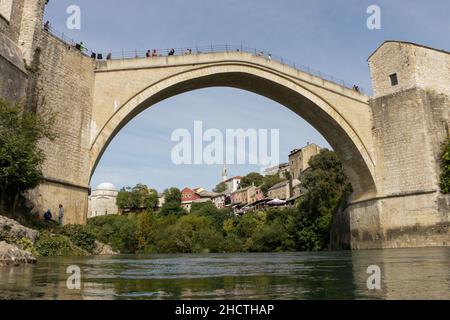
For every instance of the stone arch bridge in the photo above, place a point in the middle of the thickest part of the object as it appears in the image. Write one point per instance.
(124, 88)
(388, 143)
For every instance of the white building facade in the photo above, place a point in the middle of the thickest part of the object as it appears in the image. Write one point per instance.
(102, 200)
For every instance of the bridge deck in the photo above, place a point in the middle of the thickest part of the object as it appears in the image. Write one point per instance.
(197, 59)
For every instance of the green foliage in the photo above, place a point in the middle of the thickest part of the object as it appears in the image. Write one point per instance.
(80, 236)
(20, 156)
(252, 178)
(445, 167)
(221, 187)
(138, 197)
(326, 187)
(190, 234)
(50, 245)
(26, 244)
(118, 231)
(172, 195)
(172, 204)
(210, 211)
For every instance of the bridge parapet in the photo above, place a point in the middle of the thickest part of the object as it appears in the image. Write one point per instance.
(138, 61)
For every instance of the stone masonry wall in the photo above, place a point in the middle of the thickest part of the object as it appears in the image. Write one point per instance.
(405, 155)
(416, 66)
(65, 82)
(13, 76)
(31, 28)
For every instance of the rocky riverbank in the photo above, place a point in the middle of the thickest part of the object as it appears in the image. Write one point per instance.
(15, 242)
(21, 245)
(12, 255)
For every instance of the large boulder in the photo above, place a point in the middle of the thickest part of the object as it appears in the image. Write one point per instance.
(11, 255)
(102, 249)
(12, 231)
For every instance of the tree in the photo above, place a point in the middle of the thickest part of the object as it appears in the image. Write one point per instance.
(138, 197)
(144, 229)
(172, 195)
(221, 187)
(123, 200)
(326, 187)
(209, 210)
(20, 156)
(144, 197)
(252, 178)
(172, 202)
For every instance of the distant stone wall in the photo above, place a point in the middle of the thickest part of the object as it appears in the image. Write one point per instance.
(64, 86)
(13, 79)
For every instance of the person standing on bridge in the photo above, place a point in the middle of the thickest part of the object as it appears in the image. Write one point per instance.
(83, 48)
(61, 215)
(148, 54)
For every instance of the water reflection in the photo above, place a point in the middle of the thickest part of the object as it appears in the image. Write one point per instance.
(406, 274)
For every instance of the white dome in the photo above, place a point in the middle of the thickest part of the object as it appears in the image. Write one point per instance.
(106, 186)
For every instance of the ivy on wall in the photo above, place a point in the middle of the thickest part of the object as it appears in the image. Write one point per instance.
(445, 167)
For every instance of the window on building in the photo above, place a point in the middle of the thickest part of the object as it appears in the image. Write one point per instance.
(6, 8)
(394, 79)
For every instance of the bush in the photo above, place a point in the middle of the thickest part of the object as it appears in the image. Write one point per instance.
(50, 245)
(120, 232)
(80, 236)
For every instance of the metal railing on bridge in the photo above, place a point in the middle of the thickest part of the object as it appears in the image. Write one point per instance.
(133, 54)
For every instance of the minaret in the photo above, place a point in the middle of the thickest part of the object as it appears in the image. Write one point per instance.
(224, 173)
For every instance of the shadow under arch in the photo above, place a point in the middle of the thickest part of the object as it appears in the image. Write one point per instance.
(343, 138)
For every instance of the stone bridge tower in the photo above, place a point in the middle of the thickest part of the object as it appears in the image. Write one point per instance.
(410, 108)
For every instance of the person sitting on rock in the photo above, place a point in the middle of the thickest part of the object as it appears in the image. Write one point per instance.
(48, 216)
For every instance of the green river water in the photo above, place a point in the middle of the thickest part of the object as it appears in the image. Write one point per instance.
(405, 274)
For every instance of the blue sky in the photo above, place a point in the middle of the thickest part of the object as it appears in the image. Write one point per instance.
(330, 36)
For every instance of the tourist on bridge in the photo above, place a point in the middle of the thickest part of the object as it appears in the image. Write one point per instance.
(61, 215)
(148, 54)
(172, 52)
(154, 53)
(82, 47)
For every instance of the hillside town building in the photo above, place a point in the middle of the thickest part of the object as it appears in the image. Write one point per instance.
(232, 184)
(299, 159)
